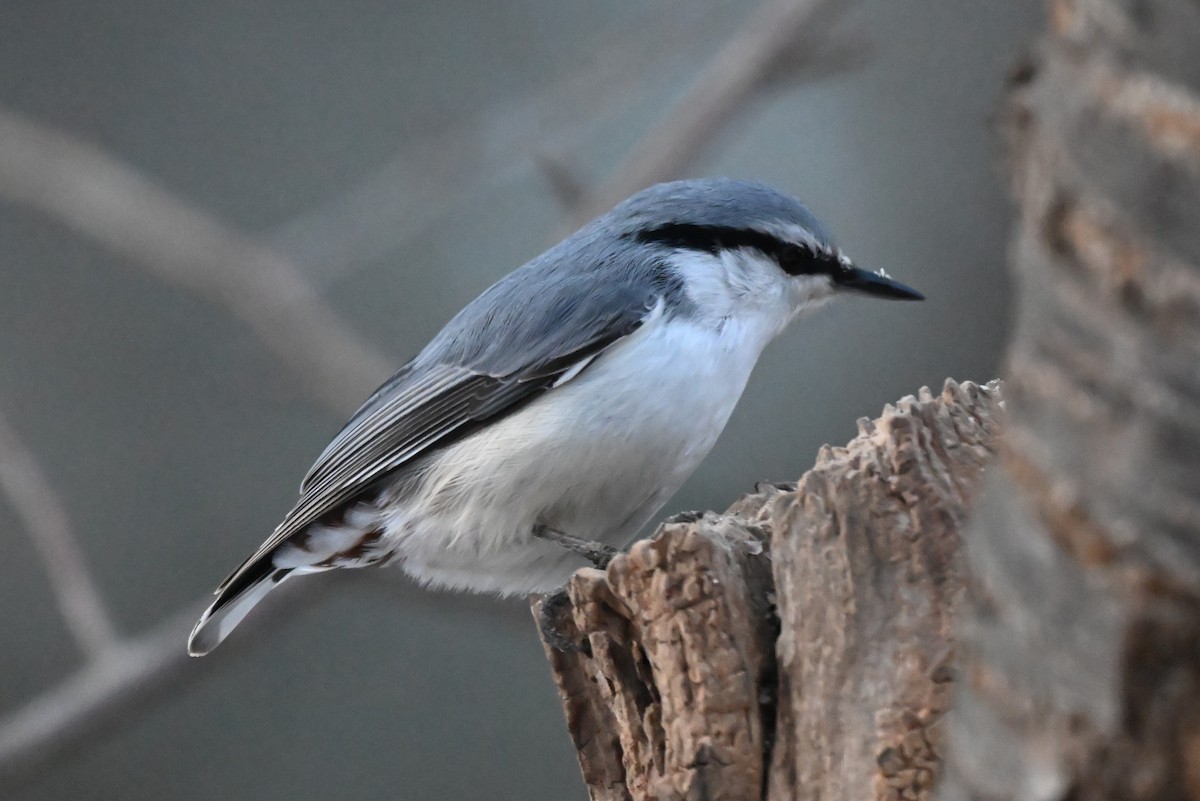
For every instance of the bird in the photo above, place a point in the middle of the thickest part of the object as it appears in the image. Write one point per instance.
(554, 415)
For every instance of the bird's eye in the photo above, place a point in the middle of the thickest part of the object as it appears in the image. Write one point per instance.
(799, 260)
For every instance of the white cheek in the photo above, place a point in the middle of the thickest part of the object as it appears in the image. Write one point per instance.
(739, 283)
(810, 292)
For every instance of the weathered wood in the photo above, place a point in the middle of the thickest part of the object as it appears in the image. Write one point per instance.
(667, 704)
(1081, 643)
(867, 571)
(689, 691)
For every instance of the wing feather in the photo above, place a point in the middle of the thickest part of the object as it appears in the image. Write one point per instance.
(430, 404)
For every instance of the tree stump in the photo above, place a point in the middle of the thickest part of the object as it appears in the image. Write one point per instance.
(796, 646)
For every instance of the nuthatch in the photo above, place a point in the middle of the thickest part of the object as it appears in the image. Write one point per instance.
(555, 414)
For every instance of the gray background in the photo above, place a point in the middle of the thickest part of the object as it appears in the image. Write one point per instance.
(391, 149)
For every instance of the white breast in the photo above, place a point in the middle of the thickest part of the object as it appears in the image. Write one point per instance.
(595, 458)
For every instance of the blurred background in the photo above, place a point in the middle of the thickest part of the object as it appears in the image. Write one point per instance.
(222, 224)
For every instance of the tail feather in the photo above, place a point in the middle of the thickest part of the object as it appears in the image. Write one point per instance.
(352, 540)
(233, 602)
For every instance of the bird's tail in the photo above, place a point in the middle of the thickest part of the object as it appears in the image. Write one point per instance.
(353, 539)
(234, 599)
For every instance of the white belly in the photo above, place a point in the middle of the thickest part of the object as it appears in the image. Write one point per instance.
(594, 458)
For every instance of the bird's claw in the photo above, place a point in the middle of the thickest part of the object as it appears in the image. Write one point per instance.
(597, 553)
(784, 486)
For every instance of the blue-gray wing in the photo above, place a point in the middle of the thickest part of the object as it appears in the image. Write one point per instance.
(499, 353)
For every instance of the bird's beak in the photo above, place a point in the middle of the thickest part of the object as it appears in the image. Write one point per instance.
(874, 284)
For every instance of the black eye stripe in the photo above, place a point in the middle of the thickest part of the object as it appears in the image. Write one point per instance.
(710, 238)
(794, 259)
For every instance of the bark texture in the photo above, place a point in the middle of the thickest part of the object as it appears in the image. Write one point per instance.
(796, 646)
(1082, 633)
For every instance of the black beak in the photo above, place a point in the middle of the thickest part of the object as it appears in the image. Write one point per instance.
(874, 284)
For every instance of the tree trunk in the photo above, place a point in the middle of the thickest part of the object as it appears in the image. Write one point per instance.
(797, 646)
(1081, 644)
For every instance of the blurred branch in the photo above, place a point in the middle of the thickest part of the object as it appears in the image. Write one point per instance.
(45, 519)
(769, 42)
(133, 671)
(96, 195)
(784, 41)
(495, 146)
(126, 674)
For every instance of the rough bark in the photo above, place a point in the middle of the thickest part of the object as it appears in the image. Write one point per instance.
(1081, 643)
(689, 690)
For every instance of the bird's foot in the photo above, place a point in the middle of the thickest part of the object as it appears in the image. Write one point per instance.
(597, 553)
(555, 605)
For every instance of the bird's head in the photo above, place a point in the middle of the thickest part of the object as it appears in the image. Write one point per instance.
(744, 250)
